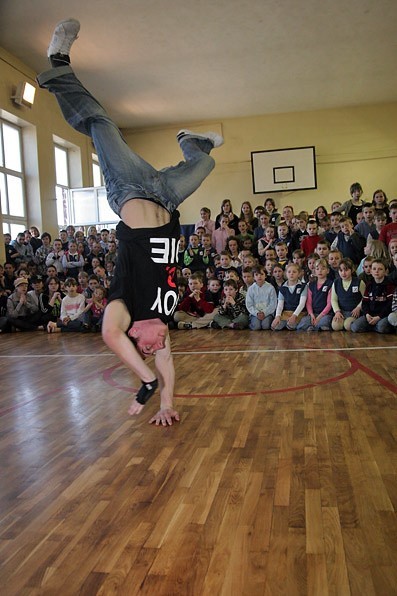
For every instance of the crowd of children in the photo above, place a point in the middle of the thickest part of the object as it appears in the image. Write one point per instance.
(56, 286)
(259, 270)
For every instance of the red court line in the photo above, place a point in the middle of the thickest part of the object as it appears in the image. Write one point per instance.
(354, 365)
(388, 384)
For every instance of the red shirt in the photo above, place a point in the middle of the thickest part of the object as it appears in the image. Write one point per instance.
(388, 232)
(309, 244)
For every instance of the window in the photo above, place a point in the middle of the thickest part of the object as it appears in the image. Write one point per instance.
(12, 182)
(97, 175)
(62, 184)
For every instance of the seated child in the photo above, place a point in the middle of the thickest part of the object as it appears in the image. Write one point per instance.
(375, 249)
(248, 280)
(365, 275)
(322, 248)
(277, 278)
(194, 312)
(213, 292)
(72, 310)
(232, 312)
(377, 302)
(261, 301)
(22, 309)
(282, 253)
(349, 242)
(334, 258)
(95, 309)
(318, 303)
(299, 258)
(346, 296)
(291, 300)
(225, 265)
(52, 300)
(181, 282)
(393, 267)
(82, 280)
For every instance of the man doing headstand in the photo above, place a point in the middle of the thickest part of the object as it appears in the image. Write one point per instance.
(143, 295)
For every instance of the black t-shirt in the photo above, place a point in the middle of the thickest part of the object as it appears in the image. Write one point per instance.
(145, 275)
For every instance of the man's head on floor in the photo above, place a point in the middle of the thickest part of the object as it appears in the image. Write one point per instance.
(148, 335)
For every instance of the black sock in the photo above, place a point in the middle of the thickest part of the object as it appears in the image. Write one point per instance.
(59, 60)
(146, 391)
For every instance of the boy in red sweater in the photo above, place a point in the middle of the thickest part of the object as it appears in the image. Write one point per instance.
(194, 312)
(309, 242)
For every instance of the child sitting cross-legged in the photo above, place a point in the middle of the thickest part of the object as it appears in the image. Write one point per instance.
(232, 312)
(291, 300)
(72, 310)
(194, 312)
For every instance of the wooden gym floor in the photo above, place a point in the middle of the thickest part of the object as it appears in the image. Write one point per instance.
(279, 479)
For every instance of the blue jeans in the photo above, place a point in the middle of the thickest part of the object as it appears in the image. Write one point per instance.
(324, 323)
(256, 324)
(361, 325)
(127, 175)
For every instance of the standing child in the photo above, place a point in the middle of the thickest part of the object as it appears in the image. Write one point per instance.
(232, 312)
(349, 242)
(310, 241)
(377, 302)
(380, 220)
(261, 301)
(318, 302)
(346, 296)
(291, 300)
(72, 261)
(221, 234)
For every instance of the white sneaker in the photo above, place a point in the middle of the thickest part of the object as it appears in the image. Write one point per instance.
(213, 137)
(65, 33)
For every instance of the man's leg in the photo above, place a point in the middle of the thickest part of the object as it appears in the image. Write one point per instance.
(124, 171)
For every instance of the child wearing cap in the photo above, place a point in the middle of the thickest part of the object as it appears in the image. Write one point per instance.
(21, 308)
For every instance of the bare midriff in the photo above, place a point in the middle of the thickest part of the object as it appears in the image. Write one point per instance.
(141, 213)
